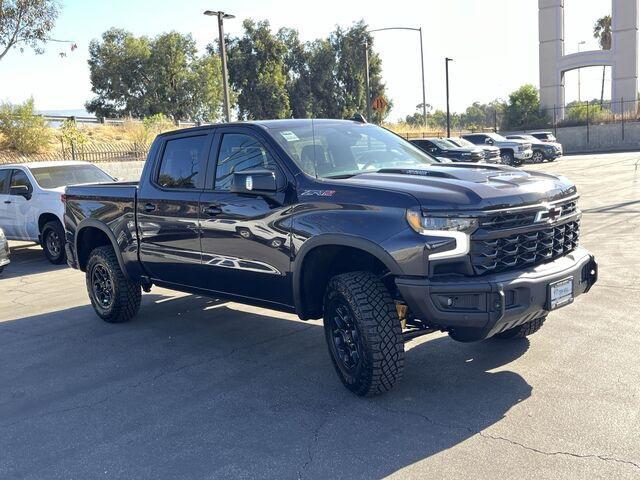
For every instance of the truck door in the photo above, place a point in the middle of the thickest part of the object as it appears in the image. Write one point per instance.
(245, 238)
(5, 201)
(167, 209)
(20, 209)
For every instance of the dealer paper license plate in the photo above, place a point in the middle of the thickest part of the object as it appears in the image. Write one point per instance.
(560, 293)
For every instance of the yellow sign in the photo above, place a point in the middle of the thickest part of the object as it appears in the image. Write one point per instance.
(379, 104)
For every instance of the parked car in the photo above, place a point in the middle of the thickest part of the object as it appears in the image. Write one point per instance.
(545, 136)
(385, 243)
(440, 147)
(31, 207)
(491, 153)
(512, 152)
(541, 150)
(4, 251)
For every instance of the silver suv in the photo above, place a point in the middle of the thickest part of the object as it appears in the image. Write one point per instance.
(512, 152)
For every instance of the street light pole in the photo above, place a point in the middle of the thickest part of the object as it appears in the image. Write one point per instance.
(579, 43)
(446, 68)
(424, 94)
(223, 57)
(419, 30)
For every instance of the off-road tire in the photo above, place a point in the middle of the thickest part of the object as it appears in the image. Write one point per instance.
(126, 294)
(54, 230)
(524, 330)
(508, 159)
(379, 332)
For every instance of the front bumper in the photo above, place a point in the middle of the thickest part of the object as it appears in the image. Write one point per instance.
(525, 155)
(475, 308)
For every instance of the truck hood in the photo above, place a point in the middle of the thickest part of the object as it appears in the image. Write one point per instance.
(469, 186)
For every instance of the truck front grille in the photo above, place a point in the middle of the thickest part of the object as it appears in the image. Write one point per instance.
(506, 220)
(524, 249)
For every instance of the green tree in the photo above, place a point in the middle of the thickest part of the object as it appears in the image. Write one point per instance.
(139, 77)
(26, 23)
(119, 74)
(602, 33)
(23, 130)
(349, 45)
(523, 109)
(258, 72)
(297, 62)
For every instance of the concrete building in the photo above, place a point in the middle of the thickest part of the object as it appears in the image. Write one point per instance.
(622, 58)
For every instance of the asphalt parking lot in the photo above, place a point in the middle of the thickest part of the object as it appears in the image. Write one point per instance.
(196, 388)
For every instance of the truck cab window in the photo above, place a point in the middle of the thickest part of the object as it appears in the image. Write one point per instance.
(4, 180)
(182, 162)
(20, 179)
(239, 152)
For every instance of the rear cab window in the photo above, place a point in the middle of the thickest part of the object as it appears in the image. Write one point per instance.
(182, 163)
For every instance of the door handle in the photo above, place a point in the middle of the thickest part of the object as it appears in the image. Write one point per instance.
(7, 202)
(150, 207)
(212, 210)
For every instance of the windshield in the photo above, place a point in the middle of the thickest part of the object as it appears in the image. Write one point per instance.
(62, 175)
(342, 149)
(462, 142)
(496, 137)
(442, 143)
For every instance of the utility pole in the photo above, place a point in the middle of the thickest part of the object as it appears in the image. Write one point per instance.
(446, 69)
(366, 70)
(223, 57)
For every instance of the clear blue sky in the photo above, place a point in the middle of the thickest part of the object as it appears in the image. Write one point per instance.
(494, 43)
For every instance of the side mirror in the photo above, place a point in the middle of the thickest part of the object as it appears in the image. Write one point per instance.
(488, 141)
(254, 182)
(21, 190)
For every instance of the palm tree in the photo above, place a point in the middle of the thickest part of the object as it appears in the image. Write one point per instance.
(602, 33)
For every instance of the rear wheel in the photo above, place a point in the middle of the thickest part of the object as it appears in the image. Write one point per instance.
(114, 298)
(524, 330)
(53, 242)
(538, 157)
(363, 333)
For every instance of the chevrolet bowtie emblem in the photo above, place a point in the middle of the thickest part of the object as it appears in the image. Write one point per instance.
(550, 215)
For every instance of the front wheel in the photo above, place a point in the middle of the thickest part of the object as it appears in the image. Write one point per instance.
(53, 242)
(114, 298)
(524, 330)
(508, 158)
(363, 333)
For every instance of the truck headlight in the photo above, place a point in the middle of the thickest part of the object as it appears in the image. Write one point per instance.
(458, 228)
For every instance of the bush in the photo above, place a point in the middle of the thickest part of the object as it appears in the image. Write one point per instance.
(142, 134)
(22, 129)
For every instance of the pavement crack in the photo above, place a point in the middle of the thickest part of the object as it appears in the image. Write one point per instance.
(605, 458)
(314, 443)
(488, 436)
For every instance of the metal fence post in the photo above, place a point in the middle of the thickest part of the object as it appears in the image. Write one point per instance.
(555, 122)
(622, 113)
(495, 121)
(73, 150)
(587, 121)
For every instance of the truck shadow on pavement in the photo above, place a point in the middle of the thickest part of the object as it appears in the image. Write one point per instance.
(195, 388)
(27, 259)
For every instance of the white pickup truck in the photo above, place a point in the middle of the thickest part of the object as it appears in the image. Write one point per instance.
(31, 207)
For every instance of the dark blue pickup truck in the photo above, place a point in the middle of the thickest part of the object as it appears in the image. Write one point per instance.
(339, 220)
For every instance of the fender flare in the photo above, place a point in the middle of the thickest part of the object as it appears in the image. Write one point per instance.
(93, 223)
(342, 240)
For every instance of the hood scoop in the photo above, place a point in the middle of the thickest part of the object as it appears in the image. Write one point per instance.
(417, 172)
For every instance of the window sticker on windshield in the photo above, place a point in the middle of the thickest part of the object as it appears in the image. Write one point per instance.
(289, 136)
